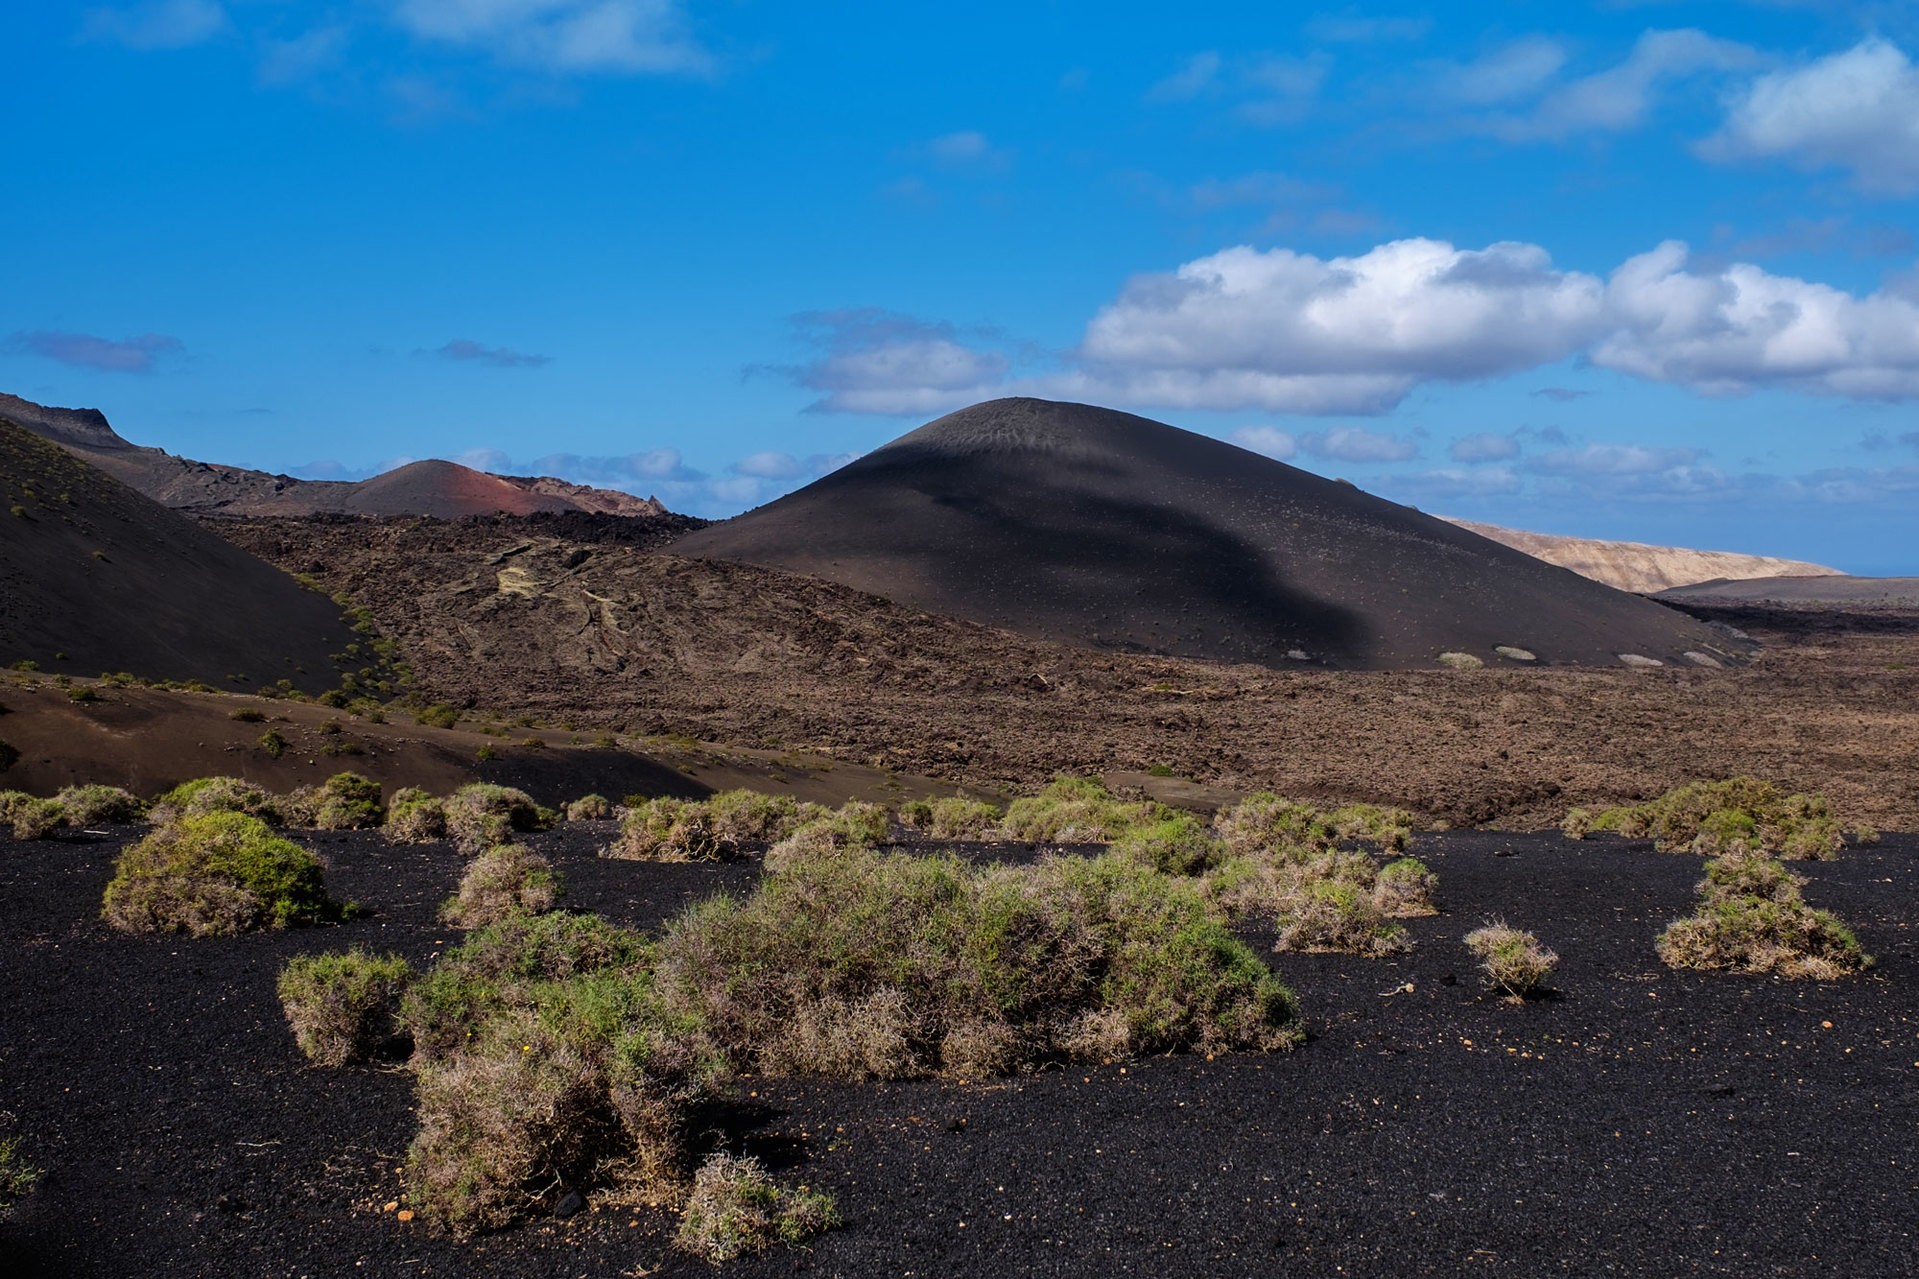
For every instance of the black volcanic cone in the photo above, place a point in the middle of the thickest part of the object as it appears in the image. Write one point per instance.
(95, 577)
(1083, 524)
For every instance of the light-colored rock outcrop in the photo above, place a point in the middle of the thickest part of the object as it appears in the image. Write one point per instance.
(1636, 566)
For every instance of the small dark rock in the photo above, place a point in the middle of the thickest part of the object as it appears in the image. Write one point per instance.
(570, 1205)
(230, 1203)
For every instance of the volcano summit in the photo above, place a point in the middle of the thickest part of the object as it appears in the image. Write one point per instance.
(1094, 527)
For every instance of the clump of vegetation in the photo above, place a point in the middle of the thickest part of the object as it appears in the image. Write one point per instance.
(17, 1176)
(736, 1209)
(86, 805)
(273, 743)
(750, 817)
(670, 830)
(1752, 919)
(854, 827)
(438, 715)
(1076, 810)
(1709, 818)
(345, 801)
(214, 874)
(342, 1006)
(502, 881)
(248, 715)
(589, 808)
(30, 816)
(1405, 888)
(480, 815)
(1512, 959)
(1337, 914)
(951, 817)
(414, 817)
(558, 1050)
(1173, 845)
(216, 795)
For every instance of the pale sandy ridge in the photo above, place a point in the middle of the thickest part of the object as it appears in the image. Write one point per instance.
(1640, 567)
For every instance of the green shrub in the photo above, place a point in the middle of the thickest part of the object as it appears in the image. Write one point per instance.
(951, 817)
(214, 874)
(248, 715)
(1386, 829)
(1269, 825)
(1405, 888)
(1076, 810)
(216, 795)
(1752, 919)
(589, 808)
(670, 830)
(342, 1006)
(1512, 959)
(480, 815)
(1337, 915)
(854, 827)
(439, 715)
(736, 1209)
(345, 801)
(17, 1176)
(273, 743)
(865, 964)
(1174, 845)
(749, 817)
(35, 818)
(1710, 818)
(87, 805)
(414, 817)
(500, 882)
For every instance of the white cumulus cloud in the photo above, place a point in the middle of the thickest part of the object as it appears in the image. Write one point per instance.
(1856, 110)
(1271, 441)
(1357, 444)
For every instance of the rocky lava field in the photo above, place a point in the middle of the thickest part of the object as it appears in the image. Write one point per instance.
(1640, 1121)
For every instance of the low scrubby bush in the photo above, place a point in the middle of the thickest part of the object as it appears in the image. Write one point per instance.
(854, 827)
(558, 1050)
(342, 1006)
(1752, 919)
(1709, 818)
(1405, 888)
(480, 815)
(86, 805)
(216, 795)
(1075, 810)
(17, 1176)
(670, 830)
(500, 882)
(951, 817)
(589, 808)
(215, 873)
(1173, 845)
(1337, 915)
(345, 801)
(749, 817)
(736, 1209)
(1512, 959)
(414, 817)
(32, 817)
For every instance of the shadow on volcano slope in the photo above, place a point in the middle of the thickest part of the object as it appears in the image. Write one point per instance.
(1082, 524)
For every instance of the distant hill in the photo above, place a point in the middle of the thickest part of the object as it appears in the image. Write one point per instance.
(1636, 566)
(443, 489)
(96, 578)
(1841, 590)
(1082, 524)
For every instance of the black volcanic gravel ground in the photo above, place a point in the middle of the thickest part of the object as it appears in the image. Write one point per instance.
(1643, 1122)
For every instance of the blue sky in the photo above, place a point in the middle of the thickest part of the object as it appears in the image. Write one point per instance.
(1628, 269)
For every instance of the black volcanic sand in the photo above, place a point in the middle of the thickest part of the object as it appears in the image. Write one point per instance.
(1081, 524)
(1642, 1122)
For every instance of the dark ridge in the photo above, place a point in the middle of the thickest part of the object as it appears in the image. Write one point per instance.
(96, 578)
(1095, 527)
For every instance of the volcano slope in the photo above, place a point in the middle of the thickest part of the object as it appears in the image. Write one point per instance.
(96, 577)
(1094, 527)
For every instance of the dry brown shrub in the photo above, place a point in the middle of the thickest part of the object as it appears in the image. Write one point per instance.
(503, 881)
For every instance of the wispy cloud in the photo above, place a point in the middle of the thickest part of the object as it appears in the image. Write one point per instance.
(467, 351)
(1266, 89)
(1359, 444)
(1270, 440)
(157, 24)
(141, 354)
(1486, 446)
(608, 36)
